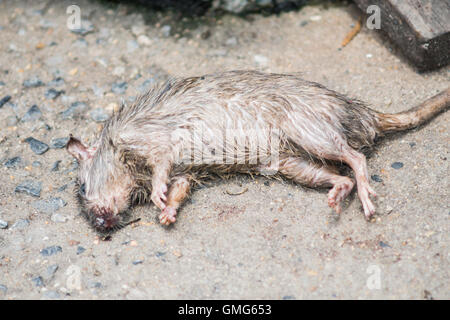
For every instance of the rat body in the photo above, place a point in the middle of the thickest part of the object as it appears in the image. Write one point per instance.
(239, 121)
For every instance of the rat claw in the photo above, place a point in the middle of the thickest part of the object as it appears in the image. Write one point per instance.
(167, 216)
(158, 197)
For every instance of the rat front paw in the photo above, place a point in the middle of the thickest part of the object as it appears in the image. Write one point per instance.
(158, 196)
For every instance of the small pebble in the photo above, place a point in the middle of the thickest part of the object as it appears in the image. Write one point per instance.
(46, 24)
(30, 187)
(32, 114)
(20, 224)
(165, 30)
(376, 178)
(33, 83)
(260, 59)
(75, 110)
(49, 251)
(13, 162)
(231, 42)
(12, 121)
(119, 87)
(53, 93)
(59, 218)
(36, 164)
(146, 85)
(86, 28)
(95, 285)
(3, 224)
(38, 281)
(55, 166)
(144, 40)
(99, 115)
(80, 250)
(137, 262)
(37, 146)
(57, 82)
(4, 100)
(397, 165)
(3, 288)
(50, 205)
(51, 270)
(384, 245)
(59, 143)
(137, 30)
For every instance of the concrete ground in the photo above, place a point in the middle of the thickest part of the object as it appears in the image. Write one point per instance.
(274, 241)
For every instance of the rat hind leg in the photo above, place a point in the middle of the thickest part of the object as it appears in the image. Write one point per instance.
(316, 175)
(357, 161)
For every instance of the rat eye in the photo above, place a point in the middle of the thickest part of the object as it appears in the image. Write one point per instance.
(83, 189)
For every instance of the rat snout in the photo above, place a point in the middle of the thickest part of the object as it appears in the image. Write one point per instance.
(104, 219)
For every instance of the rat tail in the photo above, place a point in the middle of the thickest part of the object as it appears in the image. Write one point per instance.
(390, 122)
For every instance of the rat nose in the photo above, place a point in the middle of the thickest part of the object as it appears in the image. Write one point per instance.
(104, 219)
(99, 222)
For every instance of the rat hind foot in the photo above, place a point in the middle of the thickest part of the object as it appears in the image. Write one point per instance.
(317, 175)
(364, 190)
(167, 216)
(357, 161)
(339, 192)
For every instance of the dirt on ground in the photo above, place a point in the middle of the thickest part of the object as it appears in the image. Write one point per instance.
(276, 240)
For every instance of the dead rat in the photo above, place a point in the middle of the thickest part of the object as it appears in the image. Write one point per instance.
(191, 129)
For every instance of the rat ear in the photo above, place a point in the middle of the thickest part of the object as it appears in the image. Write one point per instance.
(77, 149)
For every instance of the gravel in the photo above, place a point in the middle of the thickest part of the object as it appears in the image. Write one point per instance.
(38, 281)
(55, 166)
(86, 27)
(3, 224)
(51, 270)
(50, 205)
(32, 114)
(57, 82)
(13, 162)
(75, 110)
(33, 82)
(99, 115)
(53, 93)
(80, 250)
(397, 165)
(30, 187)
(4, 100)
(37, 146)
(20, 224)
(59, 143)
(49, 251)
(119, 87)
